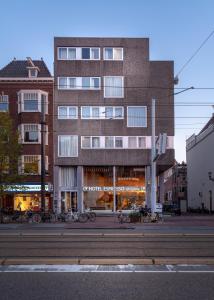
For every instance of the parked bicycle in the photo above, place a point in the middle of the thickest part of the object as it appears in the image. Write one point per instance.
(123, 218)
(90, 214)
(74, 216)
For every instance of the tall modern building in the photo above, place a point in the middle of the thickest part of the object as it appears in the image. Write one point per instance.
(23, 86)
(102, 126)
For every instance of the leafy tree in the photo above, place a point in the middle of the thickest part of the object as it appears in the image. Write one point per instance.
(10, 151)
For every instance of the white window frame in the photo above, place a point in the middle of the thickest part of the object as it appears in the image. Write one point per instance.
(68, 135)
(78, 53)
(39, 95)
(113, 49)
(30, 72)
(124, 141)
(102, 114)
(104, 78)
(2, 100)
(23, 165)
(79, 84)
(86, 136)
(137, 106)
(23, 133)
(67, 117)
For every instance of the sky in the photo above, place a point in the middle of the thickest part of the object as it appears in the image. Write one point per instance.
(175, 28)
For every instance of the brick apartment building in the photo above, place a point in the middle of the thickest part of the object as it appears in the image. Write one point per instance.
(102, 133)
(23, 83)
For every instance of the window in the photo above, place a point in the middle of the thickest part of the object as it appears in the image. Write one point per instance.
(113, 142)
(62, 83)
(132, 142)
(72, 83)
(31, 133)
(118, 142)
(71, 53)
(109, 112)
(95, 112)
(95, 142)
(109, 142)
(79, 83)
(62, 53)
(4, 102)
(31, 102)
(31, 164)
(113, 87)
(142, 142)
(32, 72)
(85, 53)
(113, 53)
(78, 53)
(136, 116)
(67, 112)
(68, 146)
(86, 142)
(102, 112)
(118, 112)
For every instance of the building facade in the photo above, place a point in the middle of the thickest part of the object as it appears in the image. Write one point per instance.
(102, 133)
(24, 86)
(175, 186)
(200, 168)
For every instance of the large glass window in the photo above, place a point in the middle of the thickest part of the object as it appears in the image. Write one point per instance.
(113, 87)
(132, 142)
(136, 116)
(86, 112)
(67, 112)
(68, 146)
(4, 102)
(130, 187)
(63, 82)
(67, 177)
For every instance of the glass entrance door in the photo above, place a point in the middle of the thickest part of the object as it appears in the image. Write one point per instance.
(68, 200)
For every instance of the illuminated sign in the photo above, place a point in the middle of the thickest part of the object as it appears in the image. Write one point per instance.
(111, 188)
(27, 188)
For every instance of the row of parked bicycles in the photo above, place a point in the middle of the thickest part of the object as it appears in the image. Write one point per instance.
(29, 216)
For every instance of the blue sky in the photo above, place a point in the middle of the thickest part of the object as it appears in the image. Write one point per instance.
(175, 28)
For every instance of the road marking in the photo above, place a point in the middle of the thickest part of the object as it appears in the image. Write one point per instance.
(107, 269)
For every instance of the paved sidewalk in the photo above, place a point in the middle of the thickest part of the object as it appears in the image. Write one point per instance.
(196, 224)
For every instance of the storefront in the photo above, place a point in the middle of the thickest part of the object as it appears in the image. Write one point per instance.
(27, 197)
(113, 188)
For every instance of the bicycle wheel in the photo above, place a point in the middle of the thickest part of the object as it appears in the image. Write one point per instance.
(6, 219)
(36, 218)
(82, 218)
(92, 216)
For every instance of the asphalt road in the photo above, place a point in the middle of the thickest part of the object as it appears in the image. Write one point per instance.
(104, 246)
(94, 286)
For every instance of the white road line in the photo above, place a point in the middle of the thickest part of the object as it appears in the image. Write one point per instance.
(108, 269)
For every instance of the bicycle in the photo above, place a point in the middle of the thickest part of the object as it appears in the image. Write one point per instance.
(76, 216)
(123, 218)
(91, 215)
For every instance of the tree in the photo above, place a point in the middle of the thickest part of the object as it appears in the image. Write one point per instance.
(10, 151)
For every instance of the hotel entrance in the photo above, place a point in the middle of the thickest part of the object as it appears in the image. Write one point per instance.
(68, 200)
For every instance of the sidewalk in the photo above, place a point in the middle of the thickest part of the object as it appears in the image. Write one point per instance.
(196, 224)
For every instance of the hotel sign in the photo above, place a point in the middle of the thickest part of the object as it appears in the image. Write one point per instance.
(111, 188)
(27, 188)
